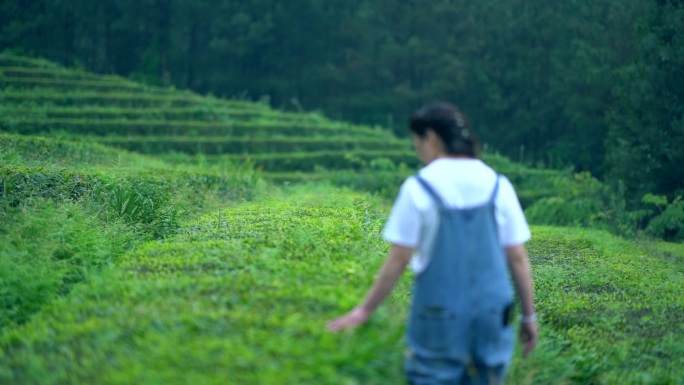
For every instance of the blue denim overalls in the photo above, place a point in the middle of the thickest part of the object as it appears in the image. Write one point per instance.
(459, 329)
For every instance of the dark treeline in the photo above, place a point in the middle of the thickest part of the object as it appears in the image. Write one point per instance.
(594, 84)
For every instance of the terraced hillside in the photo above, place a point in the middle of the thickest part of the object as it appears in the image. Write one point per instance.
(125, 268)
(39, 97)
(241, 296)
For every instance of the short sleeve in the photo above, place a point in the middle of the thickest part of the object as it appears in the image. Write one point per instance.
(513, 227)
(403, 226)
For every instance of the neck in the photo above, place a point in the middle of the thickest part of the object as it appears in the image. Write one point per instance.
(451, 156)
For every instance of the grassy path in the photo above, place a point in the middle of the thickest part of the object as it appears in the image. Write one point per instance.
(242, 297)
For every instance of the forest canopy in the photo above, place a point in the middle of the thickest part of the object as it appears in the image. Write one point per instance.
(595, 85)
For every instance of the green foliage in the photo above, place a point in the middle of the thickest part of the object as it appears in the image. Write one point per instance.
(531, 183)
(658, 200)
(275, 141)
(239, 145)
(613, 303)
(249, 289)
(645, 138)
(259, 280)
(60, 225)
(21, 185)
(46, 249)
(159, 121)
(141, 202)
(584, 201)
(143, 192)
(256, 282)
(315, 161)
(590, 84)
(669, 223)
(386, 164)
(167, 121)
(578, 202)
(137, 201)
(22, 150)
(545, 69)
(621, 220)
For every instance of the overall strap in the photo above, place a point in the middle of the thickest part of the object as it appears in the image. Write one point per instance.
(496, 189)
(431, 192)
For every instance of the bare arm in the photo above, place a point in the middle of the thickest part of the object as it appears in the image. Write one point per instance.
(519, 264)
(391, 270)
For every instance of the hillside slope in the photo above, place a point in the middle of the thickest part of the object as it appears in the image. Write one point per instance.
(242, 297)
(106, 279)
(41, 98)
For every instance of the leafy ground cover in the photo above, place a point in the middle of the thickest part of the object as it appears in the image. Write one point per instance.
(287, 146)
(43, 98)
(118, 267)
(241, 296)
(67, 209)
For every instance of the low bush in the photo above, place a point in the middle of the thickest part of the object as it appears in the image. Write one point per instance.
(135, 201)
(46, 249)
(32, 151)
(60, 225)
(330, 160)
(241, 296)
(246, 145)
(668, 224)
(10, 70)
(156, 127)
(578, 201)
(614, 304)
(64, 84)
(94, 98)
(151, 200)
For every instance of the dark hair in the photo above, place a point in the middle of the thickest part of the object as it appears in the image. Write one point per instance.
(450, 124)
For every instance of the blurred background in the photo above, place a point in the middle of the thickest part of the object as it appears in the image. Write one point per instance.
(592, 84)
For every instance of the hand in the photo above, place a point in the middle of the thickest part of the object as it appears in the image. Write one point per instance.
(528, 336)
(354, 318)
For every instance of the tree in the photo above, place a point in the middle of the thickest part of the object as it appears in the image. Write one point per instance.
(646, 138)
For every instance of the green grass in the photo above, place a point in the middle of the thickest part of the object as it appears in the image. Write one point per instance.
(120, 268)
(69, 208)
(47, 249)
(46, 99)
(31, 151)
(241, 296)
(616, 303)
(160, 121)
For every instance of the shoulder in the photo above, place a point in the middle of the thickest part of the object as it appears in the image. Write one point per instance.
(413, 193)
(505, 183)
(506, 198)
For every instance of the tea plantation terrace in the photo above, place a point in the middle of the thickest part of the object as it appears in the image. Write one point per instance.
(39, 97)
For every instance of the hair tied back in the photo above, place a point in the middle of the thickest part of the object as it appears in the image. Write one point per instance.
(460, 122)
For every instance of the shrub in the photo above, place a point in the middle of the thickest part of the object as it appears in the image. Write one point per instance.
(137, 201)
(153, 201)
(46, 249)
(580, 201)
(241, 296)
(669, 223)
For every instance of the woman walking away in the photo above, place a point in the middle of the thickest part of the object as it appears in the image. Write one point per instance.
(459, 225)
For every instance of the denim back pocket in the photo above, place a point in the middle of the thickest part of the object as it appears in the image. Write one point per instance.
(432, 328)
(496, 335)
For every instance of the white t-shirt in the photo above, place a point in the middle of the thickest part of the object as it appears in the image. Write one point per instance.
(461, 183)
